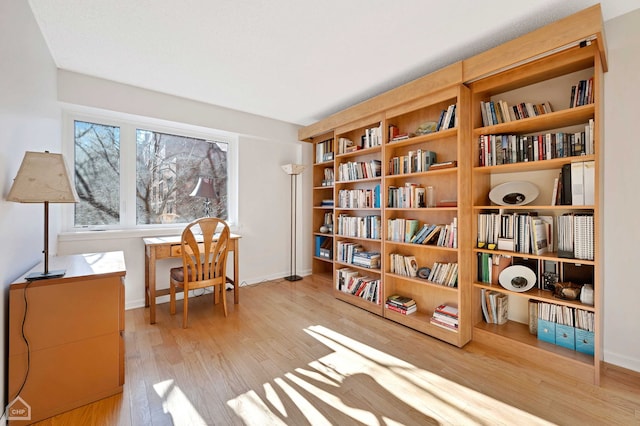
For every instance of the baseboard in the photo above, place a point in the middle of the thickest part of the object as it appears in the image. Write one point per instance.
(139, 303)
(623, 361)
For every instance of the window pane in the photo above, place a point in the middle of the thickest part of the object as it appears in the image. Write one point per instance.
(167, 171)
(97, 174)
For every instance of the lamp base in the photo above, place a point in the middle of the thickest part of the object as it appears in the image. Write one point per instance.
(293, 278)
(42, 276)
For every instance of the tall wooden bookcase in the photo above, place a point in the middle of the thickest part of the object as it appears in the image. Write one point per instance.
(323, 183)
(548, 79)
(450, 188)
(540, 66)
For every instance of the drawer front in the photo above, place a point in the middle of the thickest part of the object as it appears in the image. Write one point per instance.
(176, 251)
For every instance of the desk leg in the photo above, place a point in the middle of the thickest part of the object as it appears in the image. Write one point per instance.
(151, 272)
(236, 274)
(146, 277)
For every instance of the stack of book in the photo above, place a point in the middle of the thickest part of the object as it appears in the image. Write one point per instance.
(445, 316)
(401, 304)
(366, 259)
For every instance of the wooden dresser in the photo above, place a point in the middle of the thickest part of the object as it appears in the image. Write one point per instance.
(74, 326)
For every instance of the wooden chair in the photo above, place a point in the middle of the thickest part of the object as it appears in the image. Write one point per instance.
(203, 263)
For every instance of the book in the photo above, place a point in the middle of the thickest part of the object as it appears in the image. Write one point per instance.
(566, 195)
(401, 301)
(539, 239)
(577, 185)
(446, 319)
(447, 310)
(411, 265)
(437, 322)
(401, 310)
(589, 172)
(443, 165)
(554, 194)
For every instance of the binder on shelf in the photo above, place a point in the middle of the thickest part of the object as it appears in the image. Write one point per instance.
(577, 184)
(589, 176)
(565, 185)
(318, 245)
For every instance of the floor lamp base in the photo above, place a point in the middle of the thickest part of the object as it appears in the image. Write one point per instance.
(293, 278)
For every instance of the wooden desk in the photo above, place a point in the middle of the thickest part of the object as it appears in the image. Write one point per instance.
(74, 325)
(169, 247)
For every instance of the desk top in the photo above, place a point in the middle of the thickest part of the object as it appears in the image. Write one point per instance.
(79, 267)
(173, 239)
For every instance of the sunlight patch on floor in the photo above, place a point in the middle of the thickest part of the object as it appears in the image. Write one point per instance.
(177, 405)
(361, 374)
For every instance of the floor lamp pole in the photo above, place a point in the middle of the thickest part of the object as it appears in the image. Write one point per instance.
(292, 265)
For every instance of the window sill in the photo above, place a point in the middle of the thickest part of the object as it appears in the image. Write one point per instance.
(113, 234)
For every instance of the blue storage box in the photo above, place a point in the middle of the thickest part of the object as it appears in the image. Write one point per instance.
(584, 341)
(546, 331)
(566, 336)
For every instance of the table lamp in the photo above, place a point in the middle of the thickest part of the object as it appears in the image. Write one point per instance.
(204, 188)
(43, 177)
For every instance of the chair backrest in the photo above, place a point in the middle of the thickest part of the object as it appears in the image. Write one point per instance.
(204, 254)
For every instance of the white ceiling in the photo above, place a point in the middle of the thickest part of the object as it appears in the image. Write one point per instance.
(293, 60)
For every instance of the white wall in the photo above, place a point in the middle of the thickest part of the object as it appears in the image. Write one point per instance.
(622, 193)
(264, 202)
(29, 121)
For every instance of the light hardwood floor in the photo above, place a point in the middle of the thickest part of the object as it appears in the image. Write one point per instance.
(291, 354)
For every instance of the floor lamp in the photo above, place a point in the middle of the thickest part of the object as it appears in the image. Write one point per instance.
(43, 177)
(293, 170)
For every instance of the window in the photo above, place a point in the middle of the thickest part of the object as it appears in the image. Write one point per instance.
(119, 164)
(97, 174)
(173, 164)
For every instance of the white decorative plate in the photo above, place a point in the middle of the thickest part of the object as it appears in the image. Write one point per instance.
(517, 278)
(515, 193)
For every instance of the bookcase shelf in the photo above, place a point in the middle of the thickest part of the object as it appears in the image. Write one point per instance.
(552, 164)
(537, 294)
(397, 130)
(422, 282)
(552, 256)
(564, 118)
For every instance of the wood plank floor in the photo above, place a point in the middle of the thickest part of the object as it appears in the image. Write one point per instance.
(291, 354)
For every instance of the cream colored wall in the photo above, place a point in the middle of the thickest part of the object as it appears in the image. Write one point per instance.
(622, 193)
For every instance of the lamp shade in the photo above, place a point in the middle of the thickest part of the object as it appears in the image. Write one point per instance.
(204, 188)
(293, 169)
(42, 177)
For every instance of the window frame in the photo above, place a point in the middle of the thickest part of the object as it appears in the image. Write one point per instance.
(128, 125)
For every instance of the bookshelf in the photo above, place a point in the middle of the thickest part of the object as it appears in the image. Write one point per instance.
(547, 79)
(408, 177)
(323, 184)
(538, 68)
(358, 222)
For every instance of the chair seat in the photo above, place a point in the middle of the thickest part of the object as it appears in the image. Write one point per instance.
(177, 274)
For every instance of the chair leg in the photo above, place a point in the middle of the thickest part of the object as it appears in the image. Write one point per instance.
(185, 304)
(223, 295)
(172, 298)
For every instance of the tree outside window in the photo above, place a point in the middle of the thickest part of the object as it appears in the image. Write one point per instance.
(167, 169)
